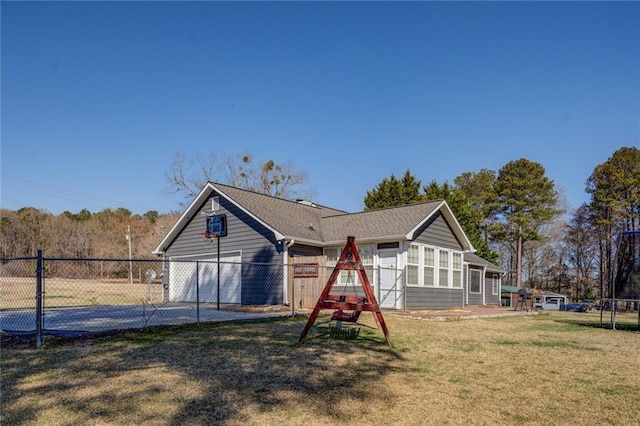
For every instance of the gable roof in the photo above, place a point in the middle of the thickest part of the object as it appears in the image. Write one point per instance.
(308, 223)
(474, 259)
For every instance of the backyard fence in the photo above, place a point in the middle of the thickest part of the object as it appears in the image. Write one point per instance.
(65, 297)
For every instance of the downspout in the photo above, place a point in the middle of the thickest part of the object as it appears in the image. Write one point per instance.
(465, 285)
(285, 263)
(484, 286)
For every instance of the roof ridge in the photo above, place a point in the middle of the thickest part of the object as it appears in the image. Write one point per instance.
(393, 207)
(313, 205)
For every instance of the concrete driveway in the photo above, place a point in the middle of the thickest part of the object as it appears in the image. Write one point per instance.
(91, 319)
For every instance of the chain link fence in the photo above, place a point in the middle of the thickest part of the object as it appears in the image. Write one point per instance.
(67, 297)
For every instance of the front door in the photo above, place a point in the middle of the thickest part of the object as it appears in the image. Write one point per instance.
(389, 280)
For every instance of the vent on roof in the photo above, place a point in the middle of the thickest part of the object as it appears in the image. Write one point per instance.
(305, 202)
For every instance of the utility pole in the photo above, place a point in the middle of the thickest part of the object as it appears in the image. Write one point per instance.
(128, 238)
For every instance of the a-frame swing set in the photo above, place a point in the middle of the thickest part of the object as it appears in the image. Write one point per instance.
(348, 308)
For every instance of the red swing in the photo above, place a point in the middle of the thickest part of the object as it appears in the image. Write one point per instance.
(355, 305)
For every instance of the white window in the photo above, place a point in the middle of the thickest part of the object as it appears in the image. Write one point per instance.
(333, 254)
(443, 268)
(432, 267)
(413, 265)
(366, 257)
(457, 270)
(351, 277)
(429, 266)
(495, 286)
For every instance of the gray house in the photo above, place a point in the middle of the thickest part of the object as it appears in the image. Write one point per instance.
(416, 256)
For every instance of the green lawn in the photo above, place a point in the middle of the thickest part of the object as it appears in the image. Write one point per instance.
(536, 369)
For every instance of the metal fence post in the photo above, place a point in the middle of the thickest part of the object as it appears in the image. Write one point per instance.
(39, 299)
(198, 292)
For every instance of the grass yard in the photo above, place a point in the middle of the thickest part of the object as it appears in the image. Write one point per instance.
(546, 369)
(18, 293)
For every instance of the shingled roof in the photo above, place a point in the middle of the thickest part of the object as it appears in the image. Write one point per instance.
(308, 223)
(474, 259)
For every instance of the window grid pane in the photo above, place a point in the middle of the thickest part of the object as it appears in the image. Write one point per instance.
(412, 255)
(412, 275)
(332, 255)
(457, 278)
(429, 256)
(457, 261)
(443, 277)
(366, 254)
(444, 259)
(428, 276)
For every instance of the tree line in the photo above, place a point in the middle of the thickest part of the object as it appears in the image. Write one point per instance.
(514, 216)
(516, 219)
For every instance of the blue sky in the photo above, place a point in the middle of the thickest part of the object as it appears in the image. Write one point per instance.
(98, 97)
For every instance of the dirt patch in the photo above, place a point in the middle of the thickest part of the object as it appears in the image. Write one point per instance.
(469, 312)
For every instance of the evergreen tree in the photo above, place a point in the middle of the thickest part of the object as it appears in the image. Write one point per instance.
(392, 192)
(614, 187)
(469, 218)
(526, 200)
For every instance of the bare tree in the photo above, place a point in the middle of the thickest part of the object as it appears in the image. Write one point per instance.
(189, 176)
(239, 170)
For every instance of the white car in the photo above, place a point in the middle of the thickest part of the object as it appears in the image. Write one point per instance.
(549, 305)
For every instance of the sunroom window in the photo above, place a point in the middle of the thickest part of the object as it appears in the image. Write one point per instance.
(457, 270)
(443, 271)
(413, 264)
(429, 266)
(366, 257)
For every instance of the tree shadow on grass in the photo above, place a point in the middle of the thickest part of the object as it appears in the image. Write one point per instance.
(213, 374)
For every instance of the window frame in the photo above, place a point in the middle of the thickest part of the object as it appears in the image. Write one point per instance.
(368, 263)
(436, 266)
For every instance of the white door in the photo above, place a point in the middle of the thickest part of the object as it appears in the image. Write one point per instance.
(389, 280)
(189, 282)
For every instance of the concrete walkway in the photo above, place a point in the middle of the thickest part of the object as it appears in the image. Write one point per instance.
(91, 319)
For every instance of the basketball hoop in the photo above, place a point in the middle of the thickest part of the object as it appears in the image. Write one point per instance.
(209, 235)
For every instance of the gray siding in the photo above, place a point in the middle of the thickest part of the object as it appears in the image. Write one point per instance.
(434, 298)
(437, 232)
(244, 234)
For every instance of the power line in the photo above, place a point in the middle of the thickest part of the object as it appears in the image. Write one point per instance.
(57, 192)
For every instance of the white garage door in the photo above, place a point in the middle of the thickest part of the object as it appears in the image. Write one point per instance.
(195, 278)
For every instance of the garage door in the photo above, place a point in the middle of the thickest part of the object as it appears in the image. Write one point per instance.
(196, 278)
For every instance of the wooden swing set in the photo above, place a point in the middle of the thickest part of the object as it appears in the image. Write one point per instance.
(347, 308)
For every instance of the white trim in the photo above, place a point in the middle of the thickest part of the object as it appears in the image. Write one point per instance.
(436, 266)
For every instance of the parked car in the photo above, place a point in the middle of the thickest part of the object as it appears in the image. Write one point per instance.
(557, 305)
(573, 307)
(549, 305)
(588, 304)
